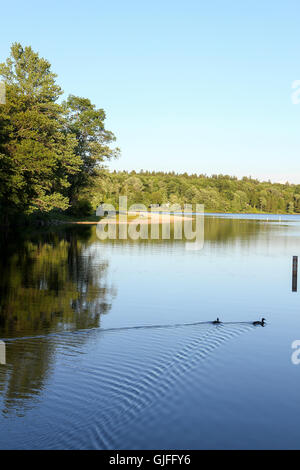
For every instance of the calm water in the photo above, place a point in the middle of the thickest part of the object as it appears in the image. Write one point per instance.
(109, 345)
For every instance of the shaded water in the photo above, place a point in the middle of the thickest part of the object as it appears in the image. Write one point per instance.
(109, 345)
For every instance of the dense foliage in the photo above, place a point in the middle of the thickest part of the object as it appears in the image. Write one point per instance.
(218, 193)
(48, 150)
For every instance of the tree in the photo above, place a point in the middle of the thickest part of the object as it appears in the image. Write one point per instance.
(86, 123)
(49, 152)
(36, 154)
(290, 207)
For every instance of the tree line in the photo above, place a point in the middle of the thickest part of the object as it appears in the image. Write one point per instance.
(219, 193)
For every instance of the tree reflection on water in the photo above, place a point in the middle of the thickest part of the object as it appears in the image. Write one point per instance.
(49, 282)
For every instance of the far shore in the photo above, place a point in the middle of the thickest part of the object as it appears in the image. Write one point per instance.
(148, 217)
(140, 217)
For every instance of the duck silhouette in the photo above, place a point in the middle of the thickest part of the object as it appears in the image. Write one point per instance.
(217, 321)
(261, 323)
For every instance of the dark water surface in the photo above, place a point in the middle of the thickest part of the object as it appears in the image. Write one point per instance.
(109, 345)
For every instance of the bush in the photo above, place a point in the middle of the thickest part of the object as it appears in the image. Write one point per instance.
(83, 207)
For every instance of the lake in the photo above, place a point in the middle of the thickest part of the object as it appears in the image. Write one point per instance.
(110, 345)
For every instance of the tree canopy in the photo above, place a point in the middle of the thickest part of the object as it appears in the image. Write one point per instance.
(219, 193)
(48, 149)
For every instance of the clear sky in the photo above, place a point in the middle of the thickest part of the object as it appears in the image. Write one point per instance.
(195, 86)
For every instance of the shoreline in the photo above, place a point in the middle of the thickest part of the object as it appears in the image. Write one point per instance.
(143, 217)
(140, 218)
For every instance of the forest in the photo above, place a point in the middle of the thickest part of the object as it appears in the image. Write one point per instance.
(218, 193)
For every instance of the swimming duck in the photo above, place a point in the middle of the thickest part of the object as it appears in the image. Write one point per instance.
(261, 323)
(215, 322)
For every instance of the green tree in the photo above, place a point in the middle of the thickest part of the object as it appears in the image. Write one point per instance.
(86, 123)
(37, 155)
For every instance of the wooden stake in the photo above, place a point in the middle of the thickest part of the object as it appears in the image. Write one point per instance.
(295, 273)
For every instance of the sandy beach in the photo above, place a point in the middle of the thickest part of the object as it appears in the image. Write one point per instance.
(141, 218)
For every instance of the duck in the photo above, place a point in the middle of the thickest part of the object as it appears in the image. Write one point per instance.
(217, 321)
(261, 323)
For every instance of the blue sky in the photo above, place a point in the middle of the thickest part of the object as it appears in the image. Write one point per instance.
(191, 86)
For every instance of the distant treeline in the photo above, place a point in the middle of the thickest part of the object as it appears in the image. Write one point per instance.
(221, 193)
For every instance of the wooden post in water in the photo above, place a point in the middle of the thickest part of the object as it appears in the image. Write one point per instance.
(295, 273)
(2, 353)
